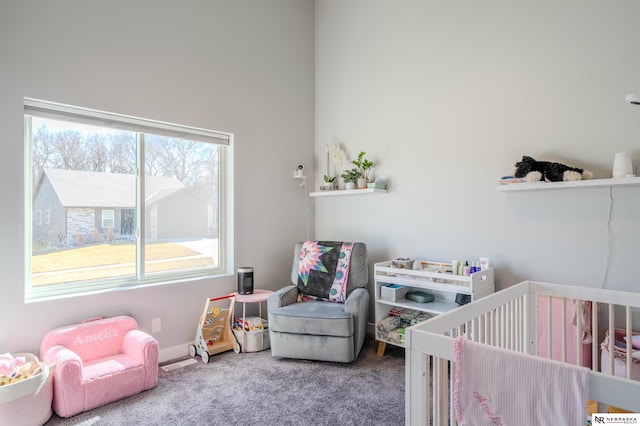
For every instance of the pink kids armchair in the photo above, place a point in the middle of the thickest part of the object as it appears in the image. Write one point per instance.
(99, 361)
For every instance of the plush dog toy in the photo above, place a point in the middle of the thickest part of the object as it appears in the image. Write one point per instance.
(534, 171)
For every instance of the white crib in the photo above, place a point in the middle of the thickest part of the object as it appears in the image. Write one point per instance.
(509, 319)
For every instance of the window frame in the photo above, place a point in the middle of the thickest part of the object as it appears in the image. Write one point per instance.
(141, 126)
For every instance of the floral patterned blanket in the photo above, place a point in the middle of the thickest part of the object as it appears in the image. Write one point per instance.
(324, 270)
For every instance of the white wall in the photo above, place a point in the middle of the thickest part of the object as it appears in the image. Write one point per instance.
(242, 67)
(446, 96)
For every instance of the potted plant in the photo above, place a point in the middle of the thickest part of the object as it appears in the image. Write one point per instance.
(364, 166)
(350, 178)
(328, 183)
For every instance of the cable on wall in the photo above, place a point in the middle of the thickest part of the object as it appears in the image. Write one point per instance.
(607, 240)
(299, 174)
(306, 205)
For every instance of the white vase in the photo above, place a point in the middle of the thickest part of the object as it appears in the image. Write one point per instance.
(362, 183)
(350, 185)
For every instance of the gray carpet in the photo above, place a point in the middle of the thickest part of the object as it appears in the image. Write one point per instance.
(257, 389)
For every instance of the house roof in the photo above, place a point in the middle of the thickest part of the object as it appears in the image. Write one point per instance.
(77, 188)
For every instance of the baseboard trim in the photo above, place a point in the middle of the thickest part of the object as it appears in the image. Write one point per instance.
(174, 352)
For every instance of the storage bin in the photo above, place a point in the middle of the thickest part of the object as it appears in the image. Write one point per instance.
(27, 402)
(403, 263)
(393, 292)
(253, 341)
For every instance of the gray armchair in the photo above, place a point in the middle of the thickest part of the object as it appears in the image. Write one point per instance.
(318, 329)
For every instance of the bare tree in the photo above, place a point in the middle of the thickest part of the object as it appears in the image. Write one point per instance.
(41, 152)
(195, 164)
(97, 153)
(122, 152)
(69, 152)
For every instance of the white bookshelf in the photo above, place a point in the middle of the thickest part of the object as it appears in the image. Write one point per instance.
(443, 286)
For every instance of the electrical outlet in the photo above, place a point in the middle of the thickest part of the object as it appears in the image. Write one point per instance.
(156, 325)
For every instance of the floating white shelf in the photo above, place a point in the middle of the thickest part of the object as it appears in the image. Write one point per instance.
(338, 192)
(591, 183)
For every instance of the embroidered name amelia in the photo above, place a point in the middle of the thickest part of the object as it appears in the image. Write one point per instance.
(93, 338)
(485, 407)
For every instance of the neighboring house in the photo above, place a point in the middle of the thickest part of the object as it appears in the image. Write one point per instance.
(73, 207)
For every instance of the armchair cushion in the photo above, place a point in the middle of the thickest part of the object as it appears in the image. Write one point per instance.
(314, 317)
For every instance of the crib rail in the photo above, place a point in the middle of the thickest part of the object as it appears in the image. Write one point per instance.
(510, 319)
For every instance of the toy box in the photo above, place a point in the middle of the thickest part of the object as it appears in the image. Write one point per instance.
(28, 401)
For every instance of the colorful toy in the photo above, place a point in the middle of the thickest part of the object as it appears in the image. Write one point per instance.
(214, 334)
(15, 369)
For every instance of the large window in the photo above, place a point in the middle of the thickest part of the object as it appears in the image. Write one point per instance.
(129, 201)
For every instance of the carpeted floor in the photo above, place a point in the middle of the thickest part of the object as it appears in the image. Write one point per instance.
(257, 389)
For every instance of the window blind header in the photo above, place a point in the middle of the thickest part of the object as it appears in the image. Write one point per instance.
(57, 111)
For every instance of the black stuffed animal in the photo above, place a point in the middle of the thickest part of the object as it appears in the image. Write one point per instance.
(534, 171)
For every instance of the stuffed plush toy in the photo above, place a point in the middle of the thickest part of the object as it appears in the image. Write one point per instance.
(534, 171)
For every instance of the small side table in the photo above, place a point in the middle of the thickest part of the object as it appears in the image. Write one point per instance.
(258, 296)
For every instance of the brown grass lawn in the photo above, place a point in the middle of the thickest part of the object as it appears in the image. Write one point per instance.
(106, 260)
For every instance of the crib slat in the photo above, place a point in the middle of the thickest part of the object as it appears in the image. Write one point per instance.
(549, 327)
(503, 325)
(563, 313)
(518, 329)
(578, 313)
(629, 348)
(441, 412)
(512, 325)
(452, 379)
(612, 338)
(530, 324)
(523, 328)
(487, 328)
(594, 336)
